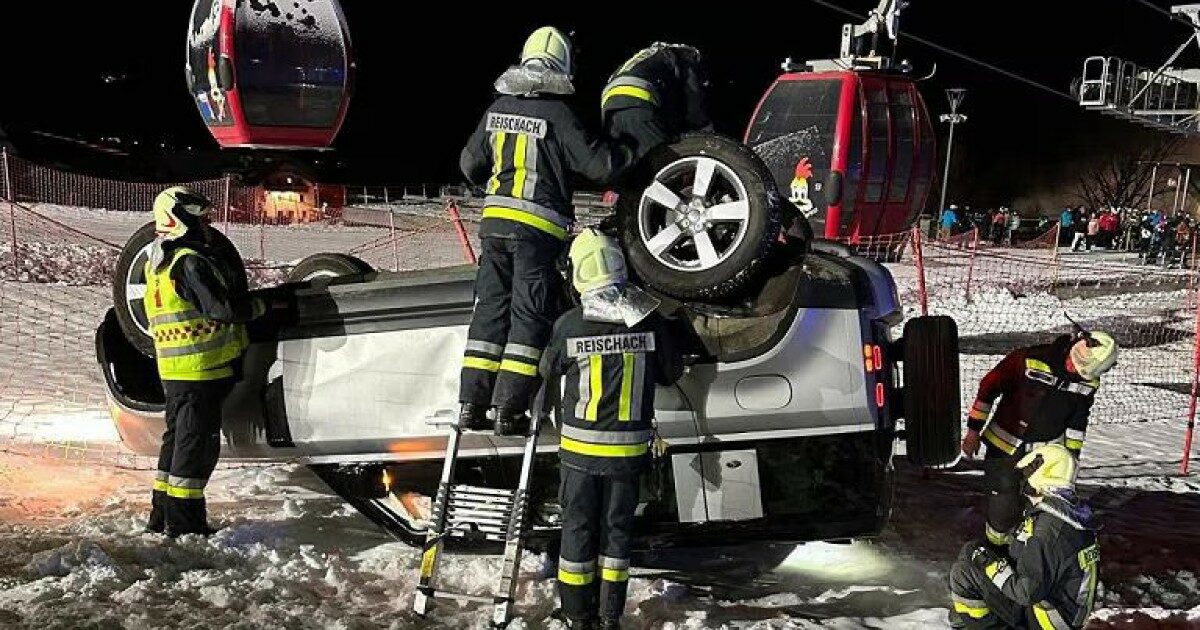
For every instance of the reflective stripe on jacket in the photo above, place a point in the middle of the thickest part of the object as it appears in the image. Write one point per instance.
(190, 346)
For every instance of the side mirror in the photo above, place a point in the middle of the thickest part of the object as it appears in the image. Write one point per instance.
(833, 188)
(224, 73)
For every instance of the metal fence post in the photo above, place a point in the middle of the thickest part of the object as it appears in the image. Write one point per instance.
(12, 208)
(971, 263)
(1191, 417)
(919, 257)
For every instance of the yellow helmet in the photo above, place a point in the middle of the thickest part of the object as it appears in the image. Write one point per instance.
(596, 261)
(1094, 355)
(552, 47)
(1048, 467)
(178, 209)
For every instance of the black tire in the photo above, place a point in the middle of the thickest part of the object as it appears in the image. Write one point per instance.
(932, 398)
(743, 261)
(327, 266)
(130, 271)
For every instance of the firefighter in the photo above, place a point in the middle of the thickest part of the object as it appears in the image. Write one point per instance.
(612, 350)
(655, 96)
(525, 152)
(1048, 577)
(1046, 394)
(197, 323)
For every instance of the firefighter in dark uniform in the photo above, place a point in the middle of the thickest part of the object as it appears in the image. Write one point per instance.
(655, 96)
(1047, 577)
(1046, 394)
(611, 353)
(525, 152)
(199, 336)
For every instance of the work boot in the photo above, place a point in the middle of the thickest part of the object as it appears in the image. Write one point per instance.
(610, 623)
(473, 417)
(205, 532)
(511, 422)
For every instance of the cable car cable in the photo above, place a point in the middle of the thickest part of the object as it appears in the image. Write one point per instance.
(954, 53)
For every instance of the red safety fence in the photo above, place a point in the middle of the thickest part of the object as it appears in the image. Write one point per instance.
(60, 235)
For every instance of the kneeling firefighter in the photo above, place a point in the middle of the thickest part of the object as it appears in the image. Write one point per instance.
(611, 351)
(1048, 577)
(1046, 394)
(526, 152)
(199, 337)
(655, 96)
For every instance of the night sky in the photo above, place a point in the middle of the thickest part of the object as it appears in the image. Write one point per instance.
(96, 71)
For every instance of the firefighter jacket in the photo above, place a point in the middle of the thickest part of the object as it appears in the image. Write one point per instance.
(1039, 400)
(666, 80)
(525, 153)
(196, 323)
(1053, 563)
(610, 371)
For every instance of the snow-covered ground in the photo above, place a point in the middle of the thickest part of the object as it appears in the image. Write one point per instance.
(292, 556)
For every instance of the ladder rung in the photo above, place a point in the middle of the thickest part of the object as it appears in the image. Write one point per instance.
(475, 515)
(486, 502)
(489, 536)
(462, 597)
(499, 492)
(473, 526)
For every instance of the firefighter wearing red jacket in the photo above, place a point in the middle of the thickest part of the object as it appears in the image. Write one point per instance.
(1046, 394)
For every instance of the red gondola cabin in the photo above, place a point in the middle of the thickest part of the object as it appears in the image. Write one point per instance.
(852, 148)
(270, 74)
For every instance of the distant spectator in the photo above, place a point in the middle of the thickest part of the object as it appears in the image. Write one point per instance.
(1014, 224)
(1066, 223)
(1093, 231)
(1109, 224)
(998, 223)
(949, 219)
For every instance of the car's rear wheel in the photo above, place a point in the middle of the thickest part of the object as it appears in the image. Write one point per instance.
(699, 217)
(326, 265)
(932, 398)
(129, 281)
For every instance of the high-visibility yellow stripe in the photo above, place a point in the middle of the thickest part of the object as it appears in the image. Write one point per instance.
(161, 486)
(978, 415)
(1042, 618)
(427, 559)
(575, 579)
(1034, 364)
(1074, 444)
(603, 450)
(596, 380)
(495, 212)
(614, 575)
(481, 364)
(497, 163)
(971, 611)
(185, 493)
(628, 90)
(623, 412)
(992, 569)
(519, 162)
(995, 536)
(999, 442)
(509, 365)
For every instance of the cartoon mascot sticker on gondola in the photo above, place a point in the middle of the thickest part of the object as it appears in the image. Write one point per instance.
(799, 187)
(216, 94)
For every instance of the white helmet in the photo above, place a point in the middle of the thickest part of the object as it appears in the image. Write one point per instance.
(177, 210)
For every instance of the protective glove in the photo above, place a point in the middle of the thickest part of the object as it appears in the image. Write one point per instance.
(983, 557)
(970, 444)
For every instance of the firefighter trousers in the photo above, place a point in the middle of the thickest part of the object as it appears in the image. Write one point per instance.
(190, 448)
(517, 292)
(1004, 501)
(978, 605)
(593, 565)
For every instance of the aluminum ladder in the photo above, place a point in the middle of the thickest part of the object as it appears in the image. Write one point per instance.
(477, 512)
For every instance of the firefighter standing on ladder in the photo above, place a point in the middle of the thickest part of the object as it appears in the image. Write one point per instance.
(1046, 394)
(612, 350)
(199, 337)
(525, 152)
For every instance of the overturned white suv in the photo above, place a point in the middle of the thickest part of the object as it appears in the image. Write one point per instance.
(782, 429)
